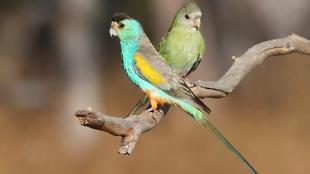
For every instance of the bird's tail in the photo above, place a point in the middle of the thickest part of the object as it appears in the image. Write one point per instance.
(197, 114)
(140, 105)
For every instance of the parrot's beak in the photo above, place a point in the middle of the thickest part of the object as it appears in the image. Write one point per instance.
(113, 29)
(196, 23)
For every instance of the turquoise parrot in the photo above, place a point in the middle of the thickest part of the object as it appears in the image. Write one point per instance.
(182, 47)
(147, 69)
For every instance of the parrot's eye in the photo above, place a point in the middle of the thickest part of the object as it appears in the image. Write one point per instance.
(121, 25)
(186, 16)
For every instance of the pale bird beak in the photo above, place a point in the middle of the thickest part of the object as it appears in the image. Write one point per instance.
(114, 27)
(196, 23)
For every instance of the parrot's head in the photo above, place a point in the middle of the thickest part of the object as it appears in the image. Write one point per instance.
(125, 28)
(188, 17)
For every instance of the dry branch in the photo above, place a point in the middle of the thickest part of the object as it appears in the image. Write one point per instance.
(131, 127)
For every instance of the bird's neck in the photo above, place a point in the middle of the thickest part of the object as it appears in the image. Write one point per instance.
(129, 48)
(182, 29)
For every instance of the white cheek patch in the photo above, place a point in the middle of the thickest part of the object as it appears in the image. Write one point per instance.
(113, 32)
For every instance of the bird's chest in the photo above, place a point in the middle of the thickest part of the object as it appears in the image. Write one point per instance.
(181, 51)
(185, 47)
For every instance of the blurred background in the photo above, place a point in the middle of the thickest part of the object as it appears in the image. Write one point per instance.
(56, 56)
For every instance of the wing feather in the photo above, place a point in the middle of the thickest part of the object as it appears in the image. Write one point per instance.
(157, 71)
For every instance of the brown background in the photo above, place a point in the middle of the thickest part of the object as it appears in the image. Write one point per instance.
(57, 57)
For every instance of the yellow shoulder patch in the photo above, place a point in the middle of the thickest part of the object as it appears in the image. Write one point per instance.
(147, 70)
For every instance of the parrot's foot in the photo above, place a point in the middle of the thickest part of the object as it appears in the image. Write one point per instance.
(154, 104)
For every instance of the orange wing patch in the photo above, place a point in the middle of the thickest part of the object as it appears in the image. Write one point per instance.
(155, 100)
(147, 70)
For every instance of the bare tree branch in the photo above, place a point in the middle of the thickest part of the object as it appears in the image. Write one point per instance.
(128, 128)
(131, 127)
(254, 56)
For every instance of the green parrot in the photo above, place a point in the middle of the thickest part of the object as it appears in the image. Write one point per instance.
(147, 69)
(182, 47)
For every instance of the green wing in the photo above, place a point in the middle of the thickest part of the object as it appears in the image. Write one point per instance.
(173, 84)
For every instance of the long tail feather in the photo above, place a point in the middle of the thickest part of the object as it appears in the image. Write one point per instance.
(221, 137)
(200, 103)
(199, 116)
(140, 105)
(197, 102)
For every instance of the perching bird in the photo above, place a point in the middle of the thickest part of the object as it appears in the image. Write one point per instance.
(151, 73)
(182, 47)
